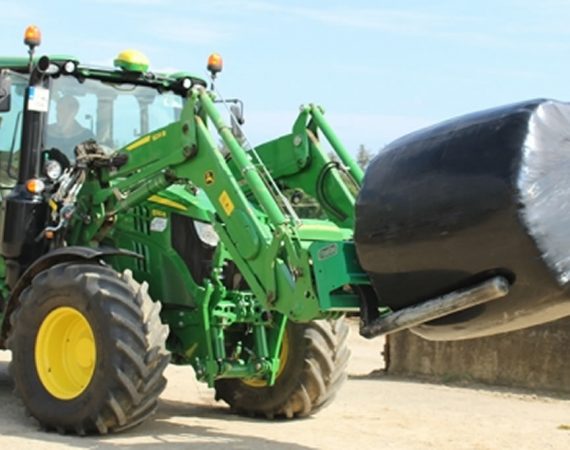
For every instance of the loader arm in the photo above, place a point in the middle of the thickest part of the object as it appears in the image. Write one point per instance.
(300, 161)
(285, 273)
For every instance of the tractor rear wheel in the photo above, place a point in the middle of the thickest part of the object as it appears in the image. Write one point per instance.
(314, 357)
(88, 349)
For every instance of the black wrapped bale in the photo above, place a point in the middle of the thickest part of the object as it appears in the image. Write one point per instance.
(481, 195)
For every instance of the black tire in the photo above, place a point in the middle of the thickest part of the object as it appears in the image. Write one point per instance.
(129, 340)
(313, 372)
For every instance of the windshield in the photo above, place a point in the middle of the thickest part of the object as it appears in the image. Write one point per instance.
(11, 129)
(112, 114)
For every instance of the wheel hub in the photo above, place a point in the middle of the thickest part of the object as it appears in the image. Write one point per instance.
(283, 356)
(65, 353)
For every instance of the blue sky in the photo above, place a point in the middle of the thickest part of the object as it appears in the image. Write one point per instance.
(380, 68)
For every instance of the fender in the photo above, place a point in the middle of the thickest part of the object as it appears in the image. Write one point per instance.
(58, 256)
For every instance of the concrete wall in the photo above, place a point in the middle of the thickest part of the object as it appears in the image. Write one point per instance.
(537, 358)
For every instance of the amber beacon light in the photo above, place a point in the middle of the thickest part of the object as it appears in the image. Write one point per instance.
(215, 64)
(32, 36)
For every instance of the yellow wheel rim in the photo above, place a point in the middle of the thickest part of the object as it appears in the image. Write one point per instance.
(65, 353)
(283, 355)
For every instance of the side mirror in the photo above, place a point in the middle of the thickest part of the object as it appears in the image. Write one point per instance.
(5, 96)
(237, 119)
(236, 115)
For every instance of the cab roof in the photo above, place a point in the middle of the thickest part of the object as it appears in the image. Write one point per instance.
(159, 80)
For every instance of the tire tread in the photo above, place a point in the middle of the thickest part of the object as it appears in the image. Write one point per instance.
(136, 382)
(325, 358)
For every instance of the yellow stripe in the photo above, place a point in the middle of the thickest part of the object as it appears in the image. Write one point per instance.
(166, 202)
(137, 144)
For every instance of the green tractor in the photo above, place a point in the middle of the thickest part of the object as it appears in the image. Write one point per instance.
(117, 195)
(138, 229)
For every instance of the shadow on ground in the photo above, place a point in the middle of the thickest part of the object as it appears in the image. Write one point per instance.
(165, 429)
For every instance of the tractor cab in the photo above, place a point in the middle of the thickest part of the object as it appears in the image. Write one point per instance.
(78, 103)
(51, 104)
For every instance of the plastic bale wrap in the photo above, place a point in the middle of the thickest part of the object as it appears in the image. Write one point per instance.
(480, 195)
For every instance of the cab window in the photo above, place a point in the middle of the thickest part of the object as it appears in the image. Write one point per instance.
(11, 130)
(114, 114)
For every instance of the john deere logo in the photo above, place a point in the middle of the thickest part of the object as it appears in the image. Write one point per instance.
(209, 177)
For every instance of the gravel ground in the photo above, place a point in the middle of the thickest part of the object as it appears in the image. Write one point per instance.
(371, 411)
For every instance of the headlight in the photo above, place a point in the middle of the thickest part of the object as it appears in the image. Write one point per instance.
(206, 233)
(52, 170)
(69, 67)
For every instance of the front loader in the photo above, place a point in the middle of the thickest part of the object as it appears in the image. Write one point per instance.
(166, 237)
(148, 243)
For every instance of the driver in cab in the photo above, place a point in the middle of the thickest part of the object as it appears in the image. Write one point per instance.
(66, 132)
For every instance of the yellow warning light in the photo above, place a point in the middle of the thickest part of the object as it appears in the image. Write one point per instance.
(32, 36)
(132, 61)
(215, 63)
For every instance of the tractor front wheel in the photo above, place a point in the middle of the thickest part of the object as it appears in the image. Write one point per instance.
(314, 357)
(88, 349)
